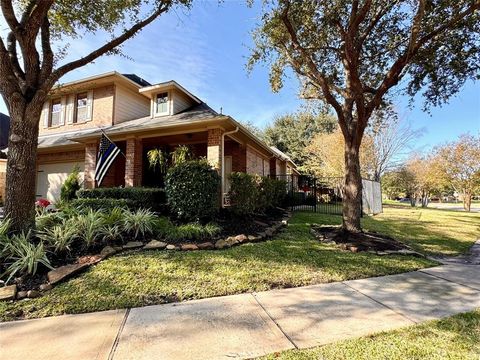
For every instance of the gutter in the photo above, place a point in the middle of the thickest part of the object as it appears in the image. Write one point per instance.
(223, 164)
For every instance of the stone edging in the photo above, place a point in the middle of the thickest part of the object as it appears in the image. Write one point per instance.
(62, 273)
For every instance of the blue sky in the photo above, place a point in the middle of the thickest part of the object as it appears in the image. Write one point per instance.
(206, 49)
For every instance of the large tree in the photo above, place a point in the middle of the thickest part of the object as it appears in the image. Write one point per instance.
(292, 133)
(460, 162)
(349, 54)
(38, 34)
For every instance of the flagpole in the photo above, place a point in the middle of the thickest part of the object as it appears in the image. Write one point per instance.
(103, 132)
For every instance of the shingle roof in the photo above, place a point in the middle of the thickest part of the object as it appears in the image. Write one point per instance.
(196, 113)
(137, 79)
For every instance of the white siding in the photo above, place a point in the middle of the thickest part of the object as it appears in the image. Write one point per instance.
(180, 101)
(129, 105)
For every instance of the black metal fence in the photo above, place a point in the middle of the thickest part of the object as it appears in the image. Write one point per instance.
(325, 195)
(308, 193)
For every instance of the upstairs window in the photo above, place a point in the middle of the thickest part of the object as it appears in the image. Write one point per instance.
(162, 103)
(81, 108)
(55, 112)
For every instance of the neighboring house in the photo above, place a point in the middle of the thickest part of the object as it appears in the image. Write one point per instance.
(138, 116)
(4, 129)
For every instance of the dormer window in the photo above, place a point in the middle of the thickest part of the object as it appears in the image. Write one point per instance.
(161, 103)
(82, 108)
(55, 112)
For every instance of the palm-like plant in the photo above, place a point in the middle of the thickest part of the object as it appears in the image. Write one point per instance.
(158, 160)
(181, 154)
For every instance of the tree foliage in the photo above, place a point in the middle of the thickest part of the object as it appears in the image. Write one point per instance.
(325, 156)
(292, 133)
(349, 54)
(460, 164)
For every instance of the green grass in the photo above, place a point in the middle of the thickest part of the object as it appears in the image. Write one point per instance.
(456, 337)
(132, 279)
(431, 231)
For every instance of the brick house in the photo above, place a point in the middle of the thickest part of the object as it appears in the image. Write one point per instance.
(138, 116)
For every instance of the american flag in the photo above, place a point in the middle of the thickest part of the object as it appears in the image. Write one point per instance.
(107, 153)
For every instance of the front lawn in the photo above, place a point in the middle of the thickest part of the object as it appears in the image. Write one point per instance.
(430, 231)
(456, 337)
(294, 258)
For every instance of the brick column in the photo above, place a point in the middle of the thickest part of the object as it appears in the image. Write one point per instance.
(133, 163)
(90, 163)
(214, 148)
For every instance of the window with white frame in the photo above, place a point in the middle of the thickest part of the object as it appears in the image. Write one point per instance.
(81, 111)
(55, 112)
(161, 103)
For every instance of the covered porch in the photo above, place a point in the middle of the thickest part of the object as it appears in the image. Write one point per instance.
(226, 151)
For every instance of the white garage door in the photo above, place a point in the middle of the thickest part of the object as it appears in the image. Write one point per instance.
(51, 177)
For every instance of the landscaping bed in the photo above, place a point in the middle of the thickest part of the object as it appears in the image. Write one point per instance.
(363, 241)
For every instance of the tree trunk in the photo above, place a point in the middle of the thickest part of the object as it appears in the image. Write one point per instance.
(22, 164)
(352, 202)
(467, 201)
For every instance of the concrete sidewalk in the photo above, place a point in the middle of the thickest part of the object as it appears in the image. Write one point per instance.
(248, 325)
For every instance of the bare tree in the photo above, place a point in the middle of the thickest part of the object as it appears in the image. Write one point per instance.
(392, 138)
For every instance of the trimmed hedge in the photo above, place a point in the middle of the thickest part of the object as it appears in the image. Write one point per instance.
(135, 197)
(193, 190)
(103, 204)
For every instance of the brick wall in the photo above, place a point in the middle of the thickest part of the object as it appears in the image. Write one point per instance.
(64, 156)
(133, 162)
(257, 163)
(90, 163)
(102, 113)
(214, 151)
(239, 155)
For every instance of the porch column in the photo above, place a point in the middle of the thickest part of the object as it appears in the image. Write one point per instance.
(90, 163)
(133, 162)
(215, 148)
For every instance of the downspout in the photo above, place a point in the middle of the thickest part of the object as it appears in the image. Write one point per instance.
(223, 164)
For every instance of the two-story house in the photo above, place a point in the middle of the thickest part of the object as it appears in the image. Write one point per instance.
(139, 116)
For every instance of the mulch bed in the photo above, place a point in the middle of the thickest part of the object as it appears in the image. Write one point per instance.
(363, 241)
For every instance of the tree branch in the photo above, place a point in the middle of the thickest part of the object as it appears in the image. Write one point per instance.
(9, 15)
(319, 78)
(47, 60)
(57, 74)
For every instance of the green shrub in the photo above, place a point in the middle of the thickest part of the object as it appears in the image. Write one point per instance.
(114, 216)
(104, 204)
(192, 190)
(141, 221)
(252, 193)
(244, 193)
(135, 197)
(89, 226)
(60, 237)
(71, 185)
(47, 220)
(112, 233)
(23, 256)
(272, 193)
